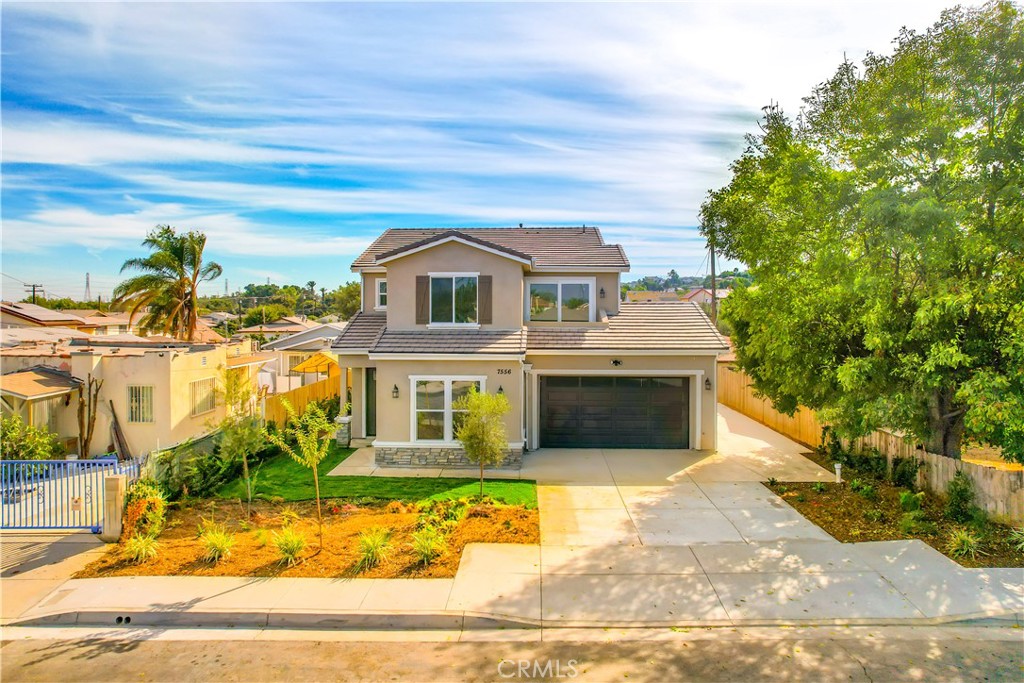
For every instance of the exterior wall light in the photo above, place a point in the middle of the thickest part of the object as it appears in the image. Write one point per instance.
(394, 391)
(501, 389)
(707, 384)
(602, 292)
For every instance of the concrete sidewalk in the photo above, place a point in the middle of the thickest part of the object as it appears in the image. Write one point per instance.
(741, 584)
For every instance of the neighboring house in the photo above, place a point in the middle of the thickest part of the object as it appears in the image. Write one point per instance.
(162, 393)
(281, 327)
(293, 349)
(651, 296)
(532, 313)
(702, 295)
(89, 321)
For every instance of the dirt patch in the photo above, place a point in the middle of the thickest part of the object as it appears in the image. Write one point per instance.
(851, 517)
(254, 553)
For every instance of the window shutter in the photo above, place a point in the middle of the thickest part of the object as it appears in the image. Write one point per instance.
(422, 299)
(485, 300)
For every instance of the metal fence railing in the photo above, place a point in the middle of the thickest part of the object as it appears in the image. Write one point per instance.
(58, 494)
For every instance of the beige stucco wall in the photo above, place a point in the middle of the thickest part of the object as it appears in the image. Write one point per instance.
(507, 288)
(368, 290)
(640, 365)
(394, 415)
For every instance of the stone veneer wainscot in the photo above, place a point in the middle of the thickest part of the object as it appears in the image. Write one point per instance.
(419, 456)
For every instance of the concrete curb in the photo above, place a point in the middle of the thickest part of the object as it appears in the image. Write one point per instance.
(442, 621)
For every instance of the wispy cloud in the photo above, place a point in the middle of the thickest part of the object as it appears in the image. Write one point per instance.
(278, 126)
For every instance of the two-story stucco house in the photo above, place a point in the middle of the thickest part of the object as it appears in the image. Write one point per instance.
(533, 313)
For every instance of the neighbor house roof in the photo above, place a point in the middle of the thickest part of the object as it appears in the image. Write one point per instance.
(721, 294)
(38, 383)
(639, 326)
(307, 340)
(547, 248)
(15, 336)
(451, 341)
(42, 316)
(286, 325)
(632, 295)
(249, 359)
(361, 332)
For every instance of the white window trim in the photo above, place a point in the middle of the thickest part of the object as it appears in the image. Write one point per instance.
(430, 316)
(377, 306)
(592, 281)
(152, 404)
(449, 438)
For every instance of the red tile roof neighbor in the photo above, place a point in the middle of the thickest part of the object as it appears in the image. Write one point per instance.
(558, 248)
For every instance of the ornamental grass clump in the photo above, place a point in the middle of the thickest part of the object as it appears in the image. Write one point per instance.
(428, 544)
(964, 543)
(217, 543)
(140, 548)
(290, 544)
(374, 547)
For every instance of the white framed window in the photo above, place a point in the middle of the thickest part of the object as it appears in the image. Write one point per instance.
(140, 403)
(560, 299)
(382, 295)
(433, 418)
(453, 299)
(204, 395)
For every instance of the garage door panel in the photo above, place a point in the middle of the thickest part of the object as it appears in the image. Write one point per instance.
(615, 412)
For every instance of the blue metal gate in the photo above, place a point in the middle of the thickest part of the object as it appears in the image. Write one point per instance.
(57, 494)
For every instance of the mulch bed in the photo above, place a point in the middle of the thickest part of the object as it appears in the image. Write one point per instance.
(844, 513)
(254, 554)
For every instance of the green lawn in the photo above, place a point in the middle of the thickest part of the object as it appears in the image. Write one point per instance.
(282, 476)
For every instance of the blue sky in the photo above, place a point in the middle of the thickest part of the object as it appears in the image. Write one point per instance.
(293, 133)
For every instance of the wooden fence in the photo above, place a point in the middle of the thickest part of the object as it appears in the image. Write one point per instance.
(299, 398)
(998, 492)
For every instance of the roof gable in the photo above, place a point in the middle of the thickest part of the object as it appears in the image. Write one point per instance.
(546, 249)
(453, 236)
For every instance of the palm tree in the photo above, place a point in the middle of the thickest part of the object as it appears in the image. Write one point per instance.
(168, 286)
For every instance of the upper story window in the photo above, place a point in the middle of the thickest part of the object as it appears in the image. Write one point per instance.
(557, 300)
(382, 294)
(453, 299)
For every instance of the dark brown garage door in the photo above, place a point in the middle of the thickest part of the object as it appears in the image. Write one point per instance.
(614, 412)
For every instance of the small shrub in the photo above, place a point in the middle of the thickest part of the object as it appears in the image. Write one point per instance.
(217, 544)
(140, 548)
(964, 543)
(290, 543)
(262, 537)
(800, 498)
(289, 516)
(979, 519)
(868, 492)
(904, 472)
(916, 523)
(1017, 538)
(873, 465)
(374, 547)
(819, 487)
(145, 510)
(394, 507)
(911, 501)
(959, 498)
(427, 544)
(856, 485)
(783, 489)
(873, 515)
(772, 481)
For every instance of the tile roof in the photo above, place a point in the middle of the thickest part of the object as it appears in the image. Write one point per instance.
(40, 314)
(643, 326)
(548, 247)
(37, 383)
(286, 325)
(450, 234)
(361, 332)
(452, 341)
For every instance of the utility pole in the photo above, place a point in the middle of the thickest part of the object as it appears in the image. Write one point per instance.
(33, 288)
(88, 291)
(714, 284)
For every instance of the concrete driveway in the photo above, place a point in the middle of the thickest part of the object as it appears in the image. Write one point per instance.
(591, 497)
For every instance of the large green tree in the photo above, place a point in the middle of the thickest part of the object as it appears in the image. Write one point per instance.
(884, 230)
(167, 287)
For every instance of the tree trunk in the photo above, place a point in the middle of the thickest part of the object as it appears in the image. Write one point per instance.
(945, 425)
(319, 515)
